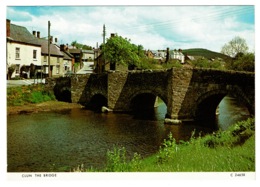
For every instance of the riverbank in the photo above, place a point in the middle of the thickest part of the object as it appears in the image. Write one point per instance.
(232, 150)
(42, 107)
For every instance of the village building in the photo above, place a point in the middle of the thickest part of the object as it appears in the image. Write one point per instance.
(23, 51)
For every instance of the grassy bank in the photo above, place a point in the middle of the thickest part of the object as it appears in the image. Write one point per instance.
(230, 150)
(22, 95)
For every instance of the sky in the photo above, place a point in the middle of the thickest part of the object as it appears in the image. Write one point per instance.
(153, 27)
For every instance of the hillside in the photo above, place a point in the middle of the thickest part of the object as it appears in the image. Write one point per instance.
(204, 52)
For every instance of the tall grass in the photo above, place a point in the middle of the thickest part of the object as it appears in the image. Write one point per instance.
(222, 151)
(35, 93)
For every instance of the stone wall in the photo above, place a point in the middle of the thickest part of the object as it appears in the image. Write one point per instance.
(124, 86)
(188, 93)
(199, 95)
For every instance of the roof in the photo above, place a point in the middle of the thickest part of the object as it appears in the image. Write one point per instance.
(88, 51)
(21, 34)
(54, 50)
(67, 55)
(74, 51)
(176, 53)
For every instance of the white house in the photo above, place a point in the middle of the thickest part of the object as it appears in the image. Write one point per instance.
(22, 50)
(87, 55)
(177, 55)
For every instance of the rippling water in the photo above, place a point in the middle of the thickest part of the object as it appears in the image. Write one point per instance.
(60, 141)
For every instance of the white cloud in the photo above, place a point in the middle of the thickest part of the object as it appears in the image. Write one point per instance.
(154, 27)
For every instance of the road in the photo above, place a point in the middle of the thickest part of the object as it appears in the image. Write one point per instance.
(13, 83)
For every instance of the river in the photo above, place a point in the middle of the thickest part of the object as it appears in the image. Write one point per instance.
(60, 141)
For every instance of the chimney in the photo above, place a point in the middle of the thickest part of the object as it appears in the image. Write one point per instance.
(8, 23)
(38, 34)
(112, 35)
(62, 47)
(51, 39)
(34, 33)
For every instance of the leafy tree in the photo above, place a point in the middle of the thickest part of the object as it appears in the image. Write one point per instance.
(81, 46)
(74, 43)
(119, 50)
(235, 46)
(243, 62)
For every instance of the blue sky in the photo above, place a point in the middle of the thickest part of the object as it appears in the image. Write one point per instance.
(154, 27)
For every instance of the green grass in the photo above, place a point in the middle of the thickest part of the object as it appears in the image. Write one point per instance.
(22, 95)
(223, 151)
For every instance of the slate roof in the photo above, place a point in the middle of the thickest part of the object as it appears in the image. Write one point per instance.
(22, 35)
(88, 51)
(75, 51)
(54, 50)
(67, 55)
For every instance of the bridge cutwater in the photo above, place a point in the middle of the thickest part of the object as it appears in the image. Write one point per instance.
(190, 94)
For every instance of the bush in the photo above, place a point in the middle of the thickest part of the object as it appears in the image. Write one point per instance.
(28, 94)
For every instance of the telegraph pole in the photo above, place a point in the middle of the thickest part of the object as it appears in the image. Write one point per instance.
(49, 38)
(104, 35)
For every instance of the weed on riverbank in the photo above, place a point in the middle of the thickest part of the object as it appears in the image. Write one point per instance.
(35, 93)
(222, 151)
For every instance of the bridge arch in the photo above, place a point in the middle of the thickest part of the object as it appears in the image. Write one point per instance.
(96, 102)
(208, 102)
(144, 99)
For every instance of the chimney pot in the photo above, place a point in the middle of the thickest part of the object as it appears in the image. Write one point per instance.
(38, 34)
(8, 32)
(56, 40)
(34, 33)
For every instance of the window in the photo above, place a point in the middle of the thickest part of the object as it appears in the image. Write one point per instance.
(45, 58)
(57, 69)
(17, 53)
(34, 54)
(58, 60)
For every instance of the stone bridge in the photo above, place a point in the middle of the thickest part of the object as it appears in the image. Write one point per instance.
(190, 94)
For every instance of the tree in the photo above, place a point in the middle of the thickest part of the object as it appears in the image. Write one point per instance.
(119, 50)
(243, 62)
(81, 46)
(235, 46)
(74, 43)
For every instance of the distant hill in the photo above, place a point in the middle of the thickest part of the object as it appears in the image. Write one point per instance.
(205, 53)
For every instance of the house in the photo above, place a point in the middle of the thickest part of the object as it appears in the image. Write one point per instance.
(68, 59)
(177, 55)
(23, 51)
(156, 54)
(56, 58)
(77, 54)
(149, 54)
(87, 55)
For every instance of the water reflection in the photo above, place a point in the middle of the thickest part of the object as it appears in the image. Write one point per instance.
(60, 141)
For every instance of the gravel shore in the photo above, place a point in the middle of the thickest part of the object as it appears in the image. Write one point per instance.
(42, 107)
